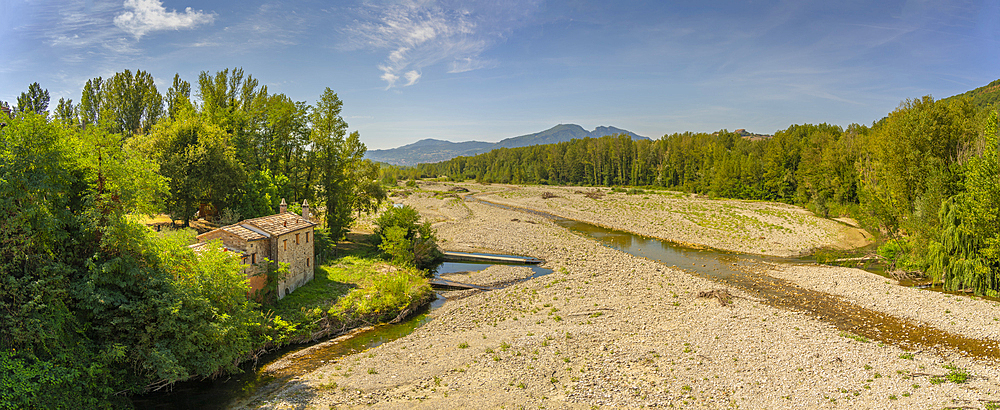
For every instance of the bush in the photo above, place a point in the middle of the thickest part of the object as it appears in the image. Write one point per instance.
(405, 217)
(405, 241)
(396, 245)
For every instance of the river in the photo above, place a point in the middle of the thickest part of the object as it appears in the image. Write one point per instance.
(741, 271)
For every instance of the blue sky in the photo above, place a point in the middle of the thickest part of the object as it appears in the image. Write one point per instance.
(488, 70)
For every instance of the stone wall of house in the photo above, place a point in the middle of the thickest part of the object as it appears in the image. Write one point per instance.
(227, 238)
(296, 249)
(259, 252)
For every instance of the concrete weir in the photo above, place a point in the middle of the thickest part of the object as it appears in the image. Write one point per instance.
(444, 284)
(478, 257)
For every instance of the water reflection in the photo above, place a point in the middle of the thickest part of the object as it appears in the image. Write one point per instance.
(746, 273)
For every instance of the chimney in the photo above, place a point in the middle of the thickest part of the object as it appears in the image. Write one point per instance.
(283, 207)
(305, 210)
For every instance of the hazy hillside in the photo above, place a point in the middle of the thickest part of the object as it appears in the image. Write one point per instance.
(432, 150)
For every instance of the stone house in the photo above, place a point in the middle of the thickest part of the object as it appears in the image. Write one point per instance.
(283, 237)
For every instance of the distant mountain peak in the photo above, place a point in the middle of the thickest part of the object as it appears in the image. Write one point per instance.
(431, 150)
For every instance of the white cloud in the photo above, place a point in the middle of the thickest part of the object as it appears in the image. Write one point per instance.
(388, 76)
(421, 33)
(150, 15)
(461, 65)
(411, 77)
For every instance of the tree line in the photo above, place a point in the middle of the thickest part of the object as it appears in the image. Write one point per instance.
(94, 305)
(925, 177)
(239, 150)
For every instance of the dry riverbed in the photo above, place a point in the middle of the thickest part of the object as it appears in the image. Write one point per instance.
(608, 329)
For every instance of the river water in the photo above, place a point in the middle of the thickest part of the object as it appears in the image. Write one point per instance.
(745, 272)
(237, 389)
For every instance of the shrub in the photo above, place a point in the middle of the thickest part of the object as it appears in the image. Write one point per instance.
(396, 245)
(405, 217)
(405, 241)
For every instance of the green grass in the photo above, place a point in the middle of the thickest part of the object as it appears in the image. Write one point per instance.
(857, 338)
(357, 285)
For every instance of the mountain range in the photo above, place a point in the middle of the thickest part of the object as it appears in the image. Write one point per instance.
(432, 150)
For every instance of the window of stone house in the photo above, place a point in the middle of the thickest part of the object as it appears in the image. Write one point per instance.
(307, 237)
(253, 258)
(285, 242)
(307, 262)
(296, 239)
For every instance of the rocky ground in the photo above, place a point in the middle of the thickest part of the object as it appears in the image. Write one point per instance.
(764, 228)
(611, 330)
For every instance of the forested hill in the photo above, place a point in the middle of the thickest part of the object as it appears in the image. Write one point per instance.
(433, 150)
(982, 96)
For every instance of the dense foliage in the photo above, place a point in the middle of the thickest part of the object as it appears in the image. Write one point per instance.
(241, 150)
(406, 241)
(924, 177)
(94, 305)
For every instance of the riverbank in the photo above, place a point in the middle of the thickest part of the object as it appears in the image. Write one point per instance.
(752, 227)
(610, 329)
(349, 293)
(356, 288)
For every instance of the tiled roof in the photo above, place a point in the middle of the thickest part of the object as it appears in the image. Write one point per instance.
(203, 246)
(244, 232)
(279, 224)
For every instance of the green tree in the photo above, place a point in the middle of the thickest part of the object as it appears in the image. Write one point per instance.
(405, 240)
(368, 190)
(35, 100)
(201, 165)
(94, 304)
(178, 97)
(65, 112)
(89, 111)
(966, 254)
(909, 166)
(336, 159)
(132, 102)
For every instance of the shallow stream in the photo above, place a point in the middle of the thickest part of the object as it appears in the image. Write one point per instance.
(745, 272)
(741, 271)
(255, 381)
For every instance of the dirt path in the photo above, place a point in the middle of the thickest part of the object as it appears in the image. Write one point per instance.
(612, 330)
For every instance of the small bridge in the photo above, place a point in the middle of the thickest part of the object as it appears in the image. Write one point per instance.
(445, 284)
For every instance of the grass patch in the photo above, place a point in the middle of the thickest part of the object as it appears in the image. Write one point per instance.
(857, 338)
(354, 286)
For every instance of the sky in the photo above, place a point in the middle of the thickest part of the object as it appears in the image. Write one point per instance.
(488, 70)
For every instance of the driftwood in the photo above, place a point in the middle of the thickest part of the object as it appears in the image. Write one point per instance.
(722, 295)
(874, 257)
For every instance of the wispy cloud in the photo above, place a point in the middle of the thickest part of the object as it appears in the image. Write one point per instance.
(144, 16)
(422, 33)
(268, 26)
